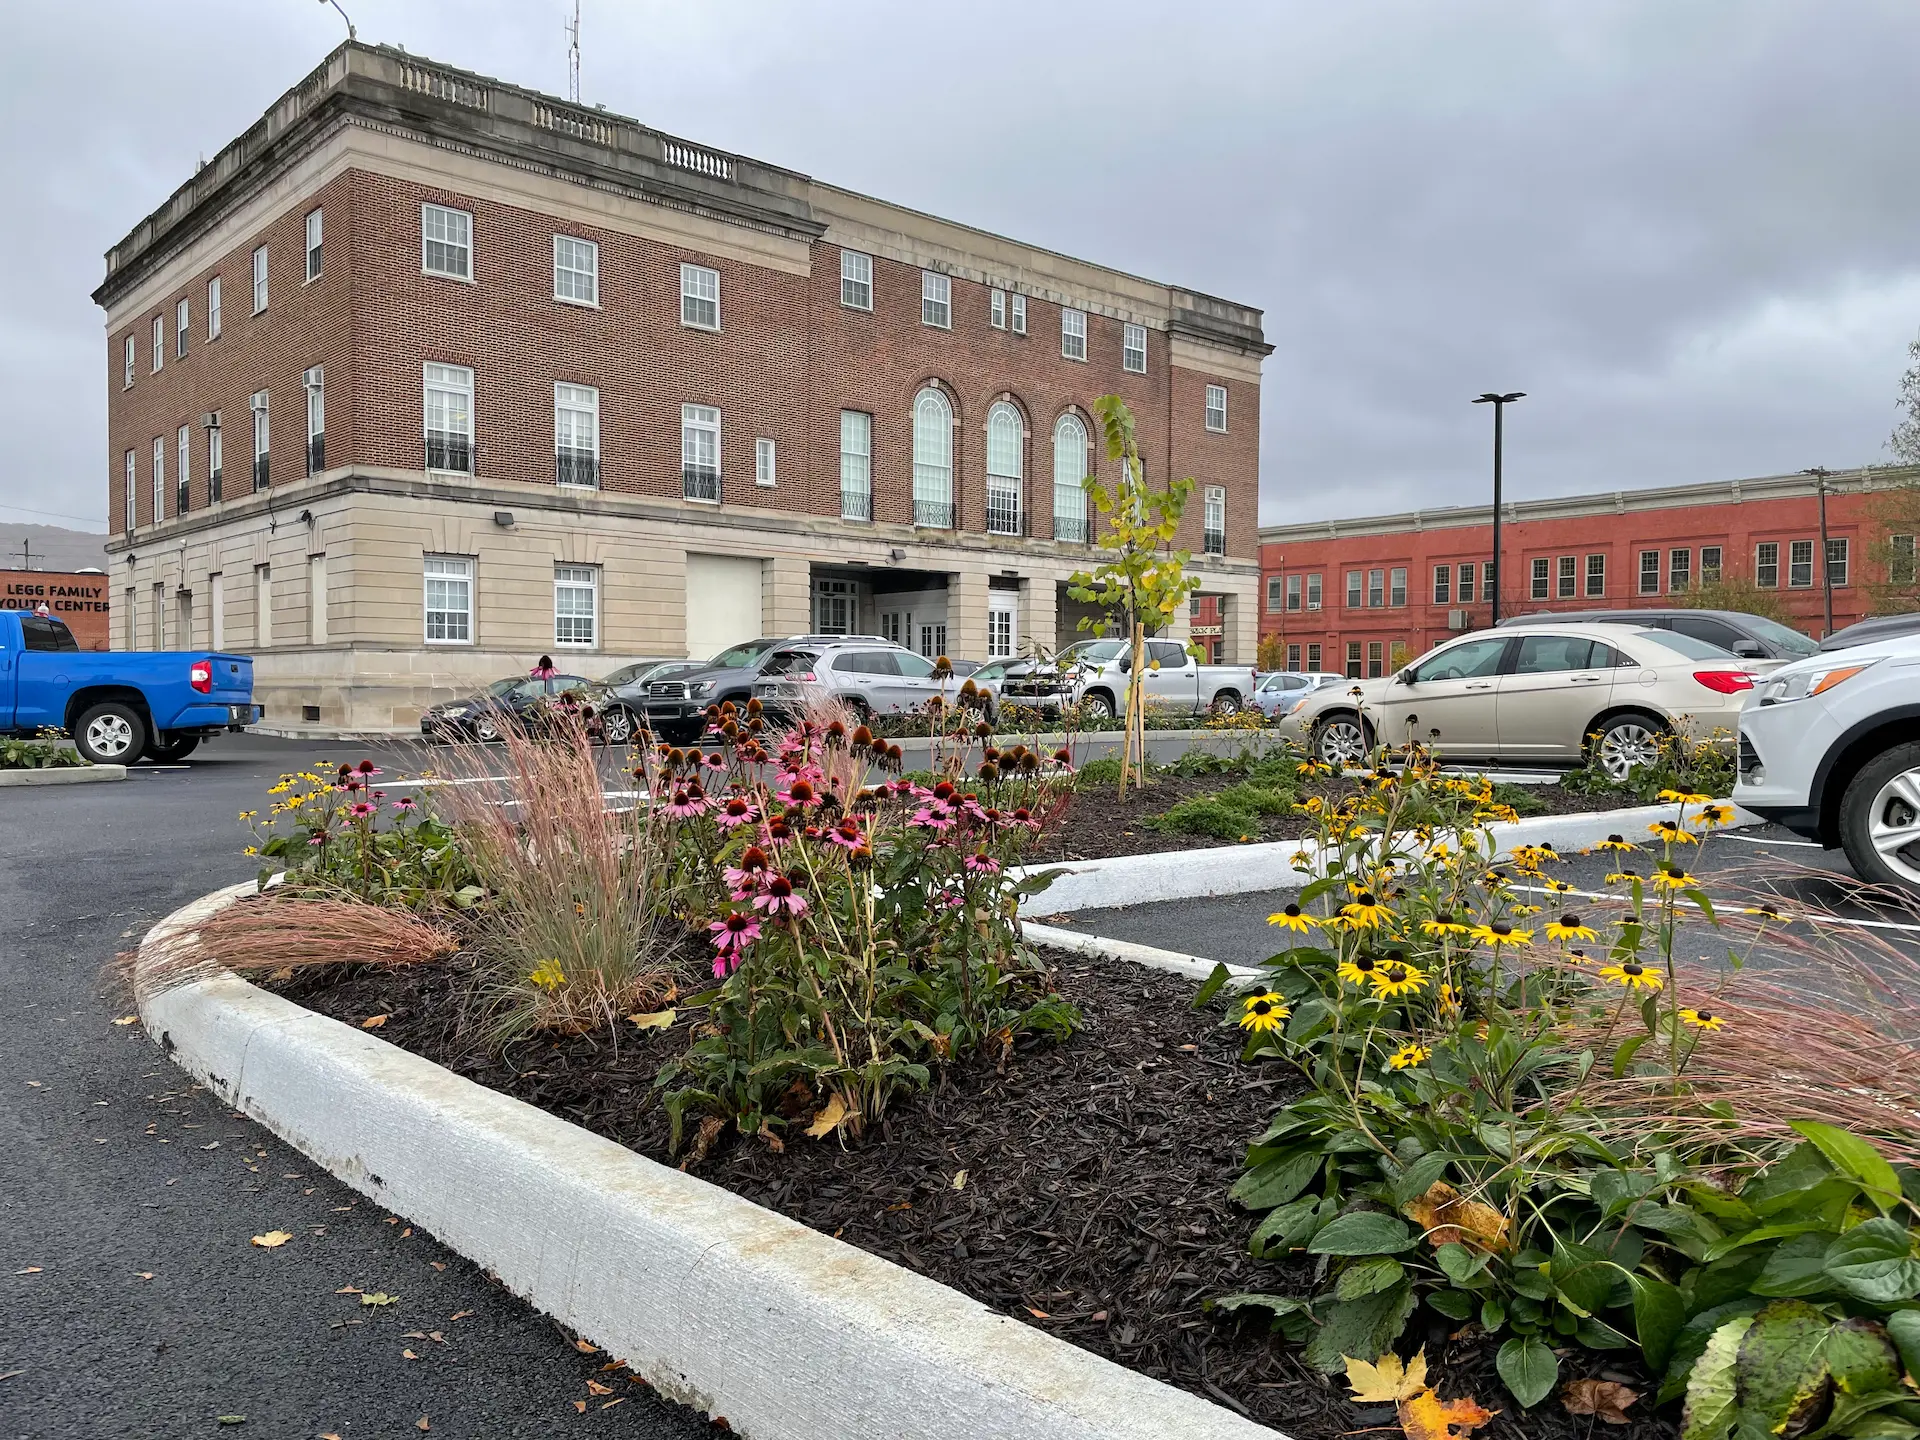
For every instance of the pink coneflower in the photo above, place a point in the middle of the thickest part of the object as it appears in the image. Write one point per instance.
(405, 802)
(743, 879)
(981, 863)
(716, 761)
(319, 839)
(778, 898)
(685, 803)
(847, 835)
(799, 794)
(731, 937)
(779, 832)
(361, 809)
(367, 767)
(1024, 816)
(738, 812)
(936, 815)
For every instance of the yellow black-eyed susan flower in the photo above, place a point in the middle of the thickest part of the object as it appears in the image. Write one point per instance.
(1616, 842)
(1357, 969)
(1441, 924)
(1702, 1019)
(1578, 957)
(247, 814)
(1711, 815)
(1365, 912)
(1293, 918)
(1498, 932)
(1449, 1000)
(1525, 910)
(1672, 877)
(1495, 879)
(1684, 797)
(1632, 974)
(1569, 927)
(1262, 1013)
(1673, 834)
(1407, 1056)
(1396, 978)
(1559, 887)
(1766, 910)
(1623, 876)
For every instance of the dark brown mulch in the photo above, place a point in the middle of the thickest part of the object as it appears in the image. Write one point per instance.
(1094, 1200)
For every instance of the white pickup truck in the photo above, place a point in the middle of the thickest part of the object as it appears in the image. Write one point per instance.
(1093, 674)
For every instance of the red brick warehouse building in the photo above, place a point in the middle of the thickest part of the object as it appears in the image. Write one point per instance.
(427, 374)
(1343, 594)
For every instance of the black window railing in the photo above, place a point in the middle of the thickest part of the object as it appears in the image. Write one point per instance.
(933, 514)
(576, 467)
(856, 504)
(316, 453)
(180, 497)
(260, 477)
(450, 452)
(700, 482)
(1214, 542)
(1003, 511)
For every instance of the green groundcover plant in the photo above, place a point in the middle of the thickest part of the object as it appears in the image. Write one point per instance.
(49, 750)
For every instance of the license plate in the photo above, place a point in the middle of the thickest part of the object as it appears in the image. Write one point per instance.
(241, 713)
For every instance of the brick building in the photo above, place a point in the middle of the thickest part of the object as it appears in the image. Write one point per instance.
(80, 597)
(1343, 594)
(425, 375)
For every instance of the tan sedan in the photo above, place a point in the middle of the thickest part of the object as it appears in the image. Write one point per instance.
(1534, 694)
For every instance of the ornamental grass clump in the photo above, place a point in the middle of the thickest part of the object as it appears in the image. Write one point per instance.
(279, 933)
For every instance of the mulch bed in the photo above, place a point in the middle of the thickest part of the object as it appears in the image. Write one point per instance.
(1080, 1188)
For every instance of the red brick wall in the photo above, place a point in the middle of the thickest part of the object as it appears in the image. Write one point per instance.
(81, 600)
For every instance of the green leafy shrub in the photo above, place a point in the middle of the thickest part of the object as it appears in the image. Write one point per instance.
(1521, 799)
(48, 751)
(1227, 814)
(1691, 767)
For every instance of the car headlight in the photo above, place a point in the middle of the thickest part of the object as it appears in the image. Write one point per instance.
(1294, 708)
(457, 712)
(702, 687)
(1780, 689)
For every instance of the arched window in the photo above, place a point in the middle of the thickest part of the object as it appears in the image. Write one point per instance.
(1006, 469)
(932, 460)
(1069, 475)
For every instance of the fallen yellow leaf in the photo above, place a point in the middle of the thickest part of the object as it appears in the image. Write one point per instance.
(585, 1349)
(1427, 1417)
(960, 1180)
(1450, 1218)
(830, 1119)
(128, 1020)
(374, 1022)
(1607, 1399)
(1403, 1384)
(654, 1020)
(408, 1355)
(143, 1274)
(378, 1297)
(273, 1239)
(1389, 1380)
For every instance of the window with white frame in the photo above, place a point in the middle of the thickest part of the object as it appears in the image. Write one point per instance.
(856, 465)
(1313, 659)
(159, 478)
(1538, 590)
(258, 405)
(997, 309)
(133, 490)
(932, 459)
(576, 605)
(1464, 581)
(1800, 564)
(182, 323)
(449, 599)
(1376, 589)
(159, 342)
(856, 280)
(1293, 592)
(1710, 563)
(576, 436)
(1565, 573)
(1017, 310)
(1443, 584)
(1293, 658)
(1353, 660)
(1679, 571)
(1314, 591)
(1649, 572)
(1069, 479)
(764, 463)
(1596, 575)
(447, 415)
(1356, 589)
(1006, 469)
(314, 226)
(576, 271)
(700, 452)
(1002, 621)
(1397, 587)
(213, 307)
(1133, 349)
(213, 463)
(936, 300)
(1837, 562)
(446, 242)
(700, 297)
(1213, 539)
(1073, 334)
(314, 381)
(259, 278)
(1766, 563)
(126, 376)
(1273, 594)
(182, 468)
(1217, 408)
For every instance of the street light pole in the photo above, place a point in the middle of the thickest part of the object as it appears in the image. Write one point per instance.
(1820, 473)
(1499, 403)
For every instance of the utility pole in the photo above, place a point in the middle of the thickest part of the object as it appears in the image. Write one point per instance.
(573, 55)
(26, 554)
(1820, 474)
(1499, 403)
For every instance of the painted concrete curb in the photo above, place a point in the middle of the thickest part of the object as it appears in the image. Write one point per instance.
(718, 1303)
(69, 775)
(1102, 948)
(1251, 869)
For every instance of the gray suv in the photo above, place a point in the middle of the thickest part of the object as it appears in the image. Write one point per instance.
(874, 677)
(676, 707)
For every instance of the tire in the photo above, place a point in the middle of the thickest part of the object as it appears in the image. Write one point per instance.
(617, 725)
(1624, 742)
(1880, 819)
(683, 735)
(486, 729)
(113, 733)
(1342, 740)
(166, 749)
(1097, 706)
(1227, 702)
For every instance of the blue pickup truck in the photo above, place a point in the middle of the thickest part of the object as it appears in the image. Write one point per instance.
(117, 706)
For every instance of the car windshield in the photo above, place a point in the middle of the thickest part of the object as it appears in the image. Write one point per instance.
(1687, 645)
(741, 657)
(627, 674)
(787, 662)
(1785, 636)
(506, 686)
(1094, 651)
(996, 671)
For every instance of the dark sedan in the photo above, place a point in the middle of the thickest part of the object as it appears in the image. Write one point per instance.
(516, 703)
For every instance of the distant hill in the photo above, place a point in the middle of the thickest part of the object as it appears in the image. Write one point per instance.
(54, 548)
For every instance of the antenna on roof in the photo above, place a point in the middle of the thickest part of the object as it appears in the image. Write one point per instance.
(573, 55)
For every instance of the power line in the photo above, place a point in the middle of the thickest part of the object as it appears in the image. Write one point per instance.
(53, 514)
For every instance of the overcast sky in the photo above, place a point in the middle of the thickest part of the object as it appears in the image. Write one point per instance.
(1690, 231)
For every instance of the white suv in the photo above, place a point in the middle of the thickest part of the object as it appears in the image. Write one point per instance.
(1830, 748)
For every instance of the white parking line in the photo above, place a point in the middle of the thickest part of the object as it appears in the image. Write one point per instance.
(1818, 917)
(1769, 840)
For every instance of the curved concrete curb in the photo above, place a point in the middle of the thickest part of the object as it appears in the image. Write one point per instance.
(717, 1302)
(66, 775)
(1152, 956)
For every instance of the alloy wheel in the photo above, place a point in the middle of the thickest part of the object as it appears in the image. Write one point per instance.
(1625, 746)
(110, 735)
(1893, 825)
(1342, 742)
(617, 726)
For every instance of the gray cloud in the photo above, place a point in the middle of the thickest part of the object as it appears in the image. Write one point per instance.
(1686, 231)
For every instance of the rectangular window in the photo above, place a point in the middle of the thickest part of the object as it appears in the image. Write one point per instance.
(936, 300)
(159, 616)
(314, 381)
(1073, 334)
(182, 468)
(1679, 571)
(1466, 582)
(576, 271)
(1313, 591)
(1486, 580)
(763, 463)
(699, 297)
(1376, 659)
(856, 465)
(129, 625)
(997, 309)
(213, 307)
(1133, 349)
(1649, 572)
(1566, 576)
(1710, 564)
(262, 606)
(1273, 594)
(316, 599)
(1214, 532)
(313, 244)
(1293, 658)
(259, 278)
(258, 404)
(213, 463)
(182, 323)
(447, 412)
(1376, 589)
(1539, 580)
(1397, 587)
(856, 280)
(1217, 408)
(1900, 567)
(1596, 576)
(700, 452)
(159, 478)
(1293, 592)
(1800, 564)
(159, 342)
(1355, 583)
(1766, 563)
(449, 599)
(1836, 562)
(1443, 584)
(217, 610)
(1353, 660)
(126, 375)
(1019, 304)
(446, 242)
(1313, 659)
(576, 436)
(576, 605)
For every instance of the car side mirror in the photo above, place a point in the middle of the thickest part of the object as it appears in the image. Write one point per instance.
(1405, 677)
(1126, 663)
(1749, 650)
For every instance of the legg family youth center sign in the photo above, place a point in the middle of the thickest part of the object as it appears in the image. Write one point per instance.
(80, 600)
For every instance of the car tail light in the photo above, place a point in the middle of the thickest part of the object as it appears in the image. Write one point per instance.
(804, 677)
(1724, 682)
(201, 676)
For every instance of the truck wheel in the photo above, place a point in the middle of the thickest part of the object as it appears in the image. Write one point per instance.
(1097, 706)
(486, 730)
(1227, 702)
(110, 734)
(1880, 819)
(165, 749)
(616, 725)
(1341, 741)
